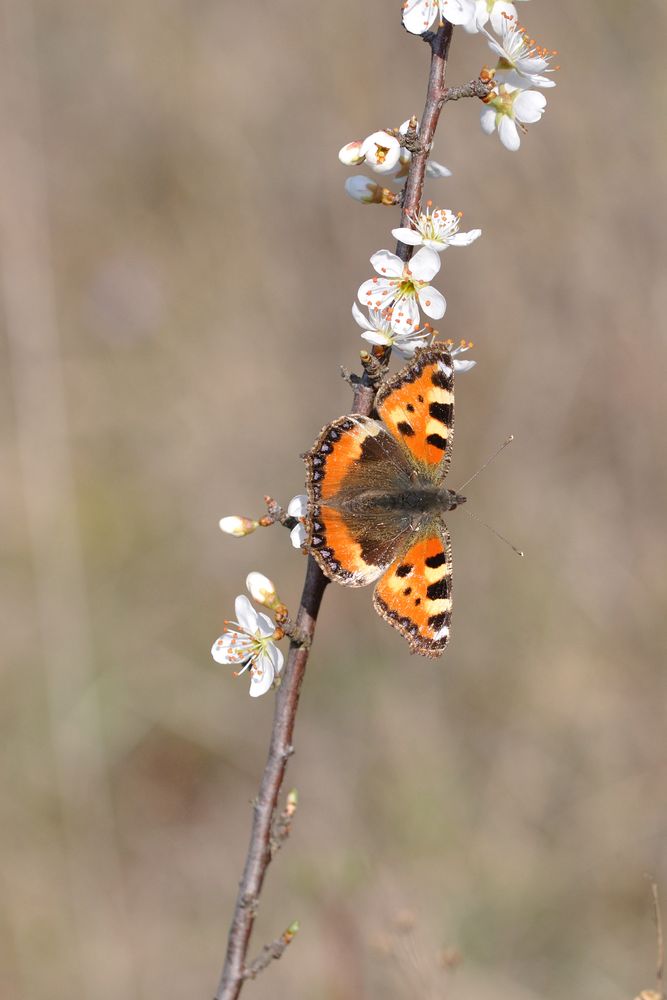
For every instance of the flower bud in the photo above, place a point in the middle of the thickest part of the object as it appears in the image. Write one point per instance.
(238, 526)
(351, 154)
(262, 590)
(381, 151)
(368, 192)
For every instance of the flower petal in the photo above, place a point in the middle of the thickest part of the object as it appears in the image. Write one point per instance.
(264, 626)
(434, 169)
(220, 649)
(487, 120)
(464, 239)
(276, 657)
(497, 19)
(408, 236)
(375, 292)
(246, 615)
(432, 302)
(375, 337)
(418, 15)
(298, 534)
(361, 188)
(351, 154)
(509, 133)
(463, 366)
(362, 321)
(457, 11)
(261, 589)
(387, 264)
(298, 505)
(405, 315)
(261, 677)
(424, 265)
(529, 106)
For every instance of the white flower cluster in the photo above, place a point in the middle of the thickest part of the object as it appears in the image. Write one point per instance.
(522, 63)
(393, 298)
(384, 154)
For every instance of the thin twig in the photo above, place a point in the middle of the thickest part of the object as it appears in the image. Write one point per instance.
(235, 970)
(660, 970)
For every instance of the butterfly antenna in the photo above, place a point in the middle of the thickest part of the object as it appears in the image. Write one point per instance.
(492, 530)
(488, 462)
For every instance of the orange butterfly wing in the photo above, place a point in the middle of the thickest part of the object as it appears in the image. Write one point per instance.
(415, 594)
(417, 407)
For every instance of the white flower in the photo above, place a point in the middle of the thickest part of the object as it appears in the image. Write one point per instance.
(437, 230)
(238, 526)
(377, 330)
(368, 192)
(402, 286)
(381, 151)
(492, 10)
(298, 507)
(520, 60)
(419, 15)
(463, 346)
(248, 642)
(507, 107)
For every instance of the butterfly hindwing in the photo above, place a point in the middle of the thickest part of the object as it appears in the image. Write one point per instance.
(415, 593)
(417, 406)
(352, 543)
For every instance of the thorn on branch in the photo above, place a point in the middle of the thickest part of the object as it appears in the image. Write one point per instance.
(481, 87)
(410, 139)
(276, 513)
(349, 377)
(271, 951)
(283, 824)
(291, 629)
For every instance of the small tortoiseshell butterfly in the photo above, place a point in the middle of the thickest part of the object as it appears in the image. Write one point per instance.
(376, 500)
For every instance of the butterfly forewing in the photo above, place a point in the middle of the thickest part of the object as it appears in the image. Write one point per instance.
(417, 406)
(354, 459)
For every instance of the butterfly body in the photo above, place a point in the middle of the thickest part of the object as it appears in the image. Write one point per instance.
(377, 499)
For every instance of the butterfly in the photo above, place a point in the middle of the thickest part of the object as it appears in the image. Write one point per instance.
(376, 500)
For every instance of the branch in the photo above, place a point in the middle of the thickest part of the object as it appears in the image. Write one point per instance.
(235, 970)
(436, 95)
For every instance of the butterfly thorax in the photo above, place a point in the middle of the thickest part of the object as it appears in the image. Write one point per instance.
(415, 499)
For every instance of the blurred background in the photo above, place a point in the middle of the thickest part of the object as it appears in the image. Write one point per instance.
(179, 260)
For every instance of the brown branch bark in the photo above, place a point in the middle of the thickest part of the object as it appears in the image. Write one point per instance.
(435, 98)
(236, 970)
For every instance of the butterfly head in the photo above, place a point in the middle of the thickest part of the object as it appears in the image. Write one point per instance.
(454, 500)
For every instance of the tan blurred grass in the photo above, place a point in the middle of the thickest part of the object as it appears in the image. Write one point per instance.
(203, 259)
